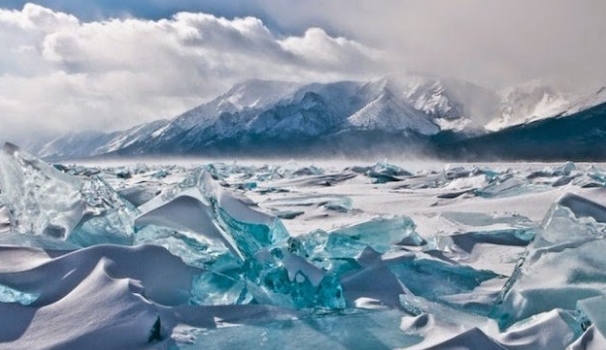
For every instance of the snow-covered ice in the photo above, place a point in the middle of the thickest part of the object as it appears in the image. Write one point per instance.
(333, 255)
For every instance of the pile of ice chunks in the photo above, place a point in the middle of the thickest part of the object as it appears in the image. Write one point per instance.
(247, 256)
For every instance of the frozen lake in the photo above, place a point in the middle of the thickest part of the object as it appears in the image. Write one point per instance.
(340, 254)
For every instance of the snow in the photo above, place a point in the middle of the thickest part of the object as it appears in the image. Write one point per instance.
(385, 113)
(528, 103)
(287, 110)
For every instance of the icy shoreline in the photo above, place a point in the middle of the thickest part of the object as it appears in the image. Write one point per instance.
(289, 256)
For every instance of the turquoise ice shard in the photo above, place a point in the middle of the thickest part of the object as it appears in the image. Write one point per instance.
(10, 295)
(563, 264)
(280, 278)
(45, 201)
(212, 288)
(380, 234)
(193, 248)
(246, 227)
(202, 213)
(434, 279)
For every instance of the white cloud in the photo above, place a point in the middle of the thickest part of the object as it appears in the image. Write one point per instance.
(59, 72)
(490, 42)
(62, 74)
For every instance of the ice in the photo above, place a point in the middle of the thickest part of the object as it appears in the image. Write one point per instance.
(269, 272)
(591, 311)
(465, 256)
(184, 213)
(195, 249)
(138, 195)
(36, 241)
(250, 229)
(337, 203)
(471, 339)
(383, 232)
(433, 278)
(379, 233)
(508, 185)
(360, 330)
(563, 263)
(590, 340)
(10, 295)
(485, 241)
(5, 220)
(44, 201)
(481, 220)
(41, 199)
(212, 288)
(108, 218)
(200, 204)
(382, 172)
(564, 170)
(529, 334)
(281, 274)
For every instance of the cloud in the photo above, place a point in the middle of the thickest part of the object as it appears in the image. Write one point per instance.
(490, 42)
(60, 73)
(67, 72)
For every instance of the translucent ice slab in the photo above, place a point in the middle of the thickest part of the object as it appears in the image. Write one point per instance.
(563, 264)
(45, 201)
(433, 278)
(41, 199)
(380, 234)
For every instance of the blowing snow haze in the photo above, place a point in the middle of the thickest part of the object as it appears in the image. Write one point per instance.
(106, 66)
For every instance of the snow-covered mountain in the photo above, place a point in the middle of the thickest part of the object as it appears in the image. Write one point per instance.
(527, 103)
(388, 112)
(259, 111)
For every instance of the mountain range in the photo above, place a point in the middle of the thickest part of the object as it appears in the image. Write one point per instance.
(396, 114)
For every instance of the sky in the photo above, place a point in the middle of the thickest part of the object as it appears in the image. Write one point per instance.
(70, 65)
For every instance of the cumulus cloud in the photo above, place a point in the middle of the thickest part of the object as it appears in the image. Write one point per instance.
(60, 73)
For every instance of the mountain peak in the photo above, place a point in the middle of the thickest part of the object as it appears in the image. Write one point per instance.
(387, 113)
(256, 93)
(268, 112)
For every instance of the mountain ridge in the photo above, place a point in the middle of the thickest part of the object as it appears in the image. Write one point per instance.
(262, 113)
